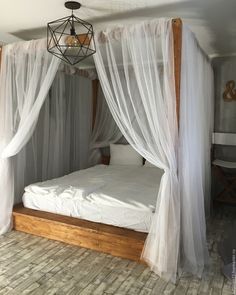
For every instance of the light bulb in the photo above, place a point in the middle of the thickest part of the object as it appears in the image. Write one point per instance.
(73, 41)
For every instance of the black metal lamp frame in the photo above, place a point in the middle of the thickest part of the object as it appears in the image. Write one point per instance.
(59, 30)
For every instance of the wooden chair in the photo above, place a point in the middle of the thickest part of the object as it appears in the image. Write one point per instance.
(224, 170)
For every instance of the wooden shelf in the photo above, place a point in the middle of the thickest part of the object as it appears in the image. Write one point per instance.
(109, 239)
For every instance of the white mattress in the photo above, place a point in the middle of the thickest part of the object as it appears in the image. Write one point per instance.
(123, 196)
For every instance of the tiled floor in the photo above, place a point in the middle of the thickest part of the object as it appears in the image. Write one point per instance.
(33, 265)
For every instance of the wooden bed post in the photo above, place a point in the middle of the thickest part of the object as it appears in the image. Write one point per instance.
(0, 56)
(177, 38)
(94, 102)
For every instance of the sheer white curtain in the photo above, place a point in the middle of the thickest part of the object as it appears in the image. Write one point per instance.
(60, 142)
(105, 129)
(27, 72)
(196, 125)
(127, 58)
(79, 90)
(67, 118)
(55, 136)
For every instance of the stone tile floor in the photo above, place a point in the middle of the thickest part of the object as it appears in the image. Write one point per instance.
(34, 265)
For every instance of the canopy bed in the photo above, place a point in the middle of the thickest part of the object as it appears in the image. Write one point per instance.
(158, 85)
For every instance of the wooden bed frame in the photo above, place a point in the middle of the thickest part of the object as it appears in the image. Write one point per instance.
(109, 239)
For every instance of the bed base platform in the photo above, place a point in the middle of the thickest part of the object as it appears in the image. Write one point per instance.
(109, 239)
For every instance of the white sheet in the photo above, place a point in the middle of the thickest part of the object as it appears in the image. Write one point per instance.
(123, 196)
(77, 184)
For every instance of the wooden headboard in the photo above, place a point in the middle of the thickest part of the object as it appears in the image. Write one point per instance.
(105, 160)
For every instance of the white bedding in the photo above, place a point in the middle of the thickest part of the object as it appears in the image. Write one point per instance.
(123, 196)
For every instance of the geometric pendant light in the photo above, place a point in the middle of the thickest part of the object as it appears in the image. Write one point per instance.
(70, 38)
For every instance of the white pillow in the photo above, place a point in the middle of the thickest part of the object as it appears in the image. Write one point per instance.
(124, 154)
(148, 164)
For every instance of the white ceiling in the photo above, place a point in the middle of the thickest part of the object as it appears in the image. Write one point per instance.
(213, 21)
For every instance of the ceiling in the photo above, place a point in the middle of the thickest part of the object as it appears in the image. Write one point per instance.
(213, 21)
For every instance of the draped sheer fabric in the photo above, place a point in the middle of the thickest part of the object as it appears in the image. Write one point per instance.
(60, 142)
(128, 58)
(105, 129)
(66, 119)
(30, 72)
(196, 126)
(27, 72)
